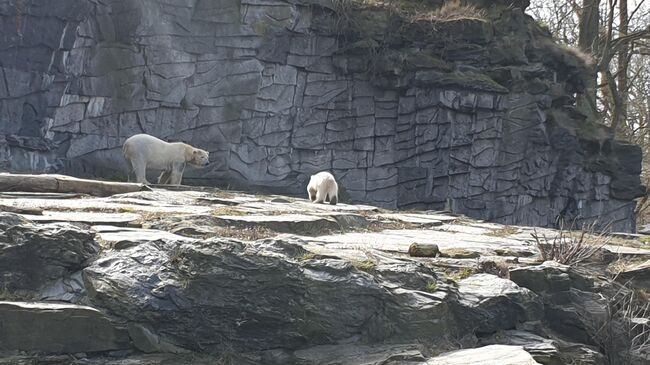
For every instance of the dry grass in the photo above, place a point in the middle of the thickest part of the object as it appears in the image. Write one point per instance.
(503, 232)
(365, 265)
(499, 268)
(460, 274)
(451, 11)
(620, 265)
(378, 226)
(626, 322)
(459, 253)
(569, 248)
(228, 210)
(306, 256)
(561, 51)
(242, 233)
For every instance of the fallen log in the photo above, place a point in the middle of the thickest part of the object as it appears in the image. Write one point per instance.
(20, 210)
(65, 184)
(423, 250)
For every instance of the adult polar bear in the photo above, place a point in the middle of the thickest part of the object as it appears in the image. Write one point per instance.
(322, 186)
(143, 151)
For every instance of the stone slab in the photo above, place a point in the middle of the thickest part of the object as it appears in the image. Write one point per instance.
(487, 355)
(116, 219)
(57, 328)
(119, 237)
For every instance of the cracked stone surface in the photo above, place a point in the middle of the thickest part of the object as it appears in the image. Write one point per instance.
(477, 118)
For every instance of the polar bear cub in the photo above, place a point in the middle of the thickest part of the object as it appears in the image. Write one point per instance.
(322, 186)
(143, 151)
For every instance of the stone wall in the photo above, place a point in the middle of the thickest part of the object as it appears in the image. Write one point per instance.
(472, 115)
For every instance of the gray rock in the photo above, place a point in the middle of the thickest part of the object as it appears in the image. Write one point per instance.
(58, 328)
(145, 340)
(68, 289)
(354, 297)
(262, 296)
(487, 355)
(34, 256)
(548, 351)
(361, 355)
(492, 303)
(549, 277)
(289, 223)
(543, 350)
(638, 275)
(97, 218)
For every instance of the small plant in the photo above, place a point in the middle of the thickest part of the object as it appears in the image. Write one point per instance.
(571, 249)
(431, 287)
(365, 265)
(461, 274)
(306, 256)
(465, 273)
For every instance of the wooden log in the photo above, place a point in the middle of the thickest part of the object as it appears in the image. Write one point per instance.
(65, 184)
(423, 250)
(20, 210)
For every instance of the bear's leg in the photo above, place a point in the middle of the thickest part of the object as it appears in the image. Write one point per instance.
(140, 169)
(164, 177)
(129, 170)
(334, 199)
(312, 194)
(177, 174)
(319, 197)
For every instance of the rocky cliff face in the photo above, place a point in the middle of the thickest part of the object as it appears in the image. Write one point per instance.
(475, 113)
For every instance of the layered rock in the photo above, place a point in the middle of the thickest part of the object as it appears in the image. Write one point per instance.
(195, 287)
(37, 256)
(58, 328)
(220, 294)
(474, 114)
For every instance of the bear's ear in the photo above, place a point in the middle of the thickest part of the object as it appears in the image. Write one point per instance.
(195, 152)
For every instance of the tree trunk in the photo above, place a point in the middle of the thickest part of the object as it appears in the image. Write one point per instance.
(588, 42)
(621, 78)
(65, 184)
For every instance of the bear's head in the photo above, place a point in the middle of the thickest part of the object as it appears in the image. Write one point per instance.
(200, 158)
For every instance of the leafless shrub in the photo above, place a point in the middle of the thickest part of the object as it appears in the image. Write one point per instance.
(624, 332)
(569, 247)
(345, 20)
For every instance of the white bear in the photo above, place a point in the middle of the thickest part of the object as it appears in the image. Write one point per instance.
(322, 186)
(143, 151)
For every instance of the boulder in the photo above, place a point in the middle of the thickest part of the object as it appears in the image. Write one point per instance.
(638, 275)
(550, 276)
(487, 355)
(490, 303)
(33, 256)
(547, 351)
(58, 328)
